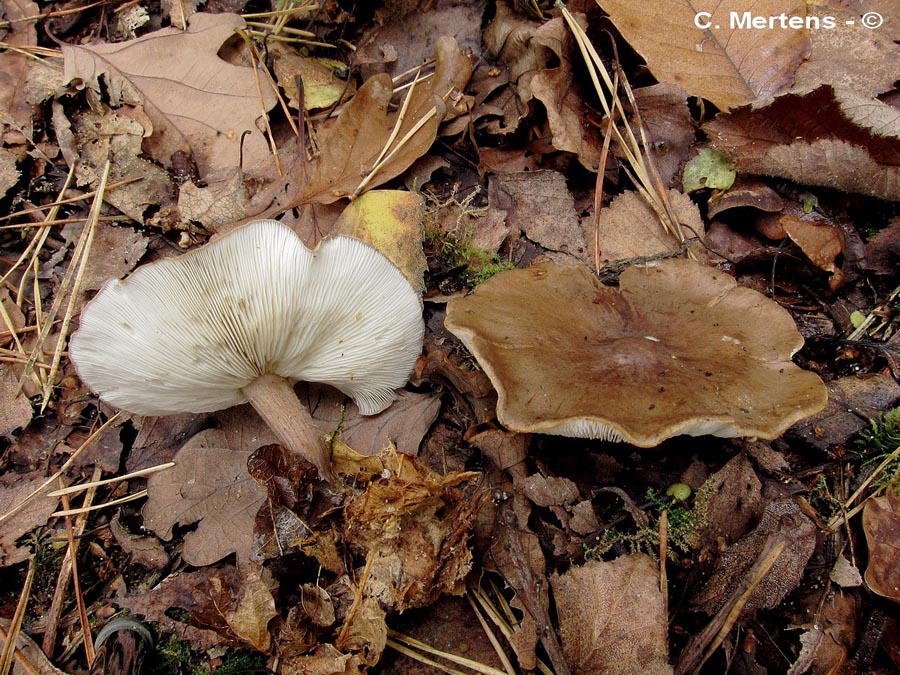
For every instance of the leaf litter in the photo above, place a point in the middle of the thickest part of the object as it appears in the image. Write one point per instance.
(463, 142)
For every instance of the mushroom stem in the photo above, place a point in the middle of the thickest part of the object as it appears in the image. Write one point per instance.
(273, 397)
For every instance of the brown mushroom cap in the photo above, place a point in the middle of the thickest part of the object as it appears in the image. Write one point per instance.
(679, 348)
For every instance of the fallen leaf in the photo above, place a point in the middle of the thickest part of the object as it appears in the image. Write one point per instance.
(197, 102)
(781, 518)
(541, 206)
(206, 594)
(735, 502)
(9, 174)
(612, 617)
(670, 128)
(629, 228)
(826, 646)
(114, 252)
(160, 438)
(250, 615)
(15, 408)
(13, 489)
(881, 523)
(322, 86)
(851, 400)
(829, 137)
(117, 137)
(746, 192)
(391, 221)
(350, 146)
(709, 169)
(849, 54)
(209, 485)
(821, 242)
(845, 574)
(15, 110)
(707, 48)
(223, 199)
(37, 660)
(883, 250)
(144, 550)
(556, 88)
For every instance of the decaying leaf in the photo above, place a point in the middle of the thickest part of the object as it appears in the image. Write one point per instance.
(144, 550)
(735, 504)
(828, 137)
(850, 54)
(709, 169)
(414, 526)
(15, 408)
(322, 86)
(679, 348)
(556, 88)
(114, 253)
(211, 596)
(197, 102)
(209, 484)
(881, 523)
(781, 518)
(822, 243)
(629, 228)
(393, 222)
(13, 489)
(15, 110)
(351, 145)
(699, 47)
(117, 135)
(670, 128)
(541, 206)
(612, 617)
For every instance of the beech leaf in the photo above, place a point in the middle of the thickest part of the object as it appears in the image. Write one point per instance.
(698, 45)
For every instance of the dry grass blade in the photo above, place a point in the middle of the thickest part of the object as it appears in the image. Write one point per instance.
(636, 152)
(96, 507)
(9, 647)
(255, 62)
(72, 553)
(707, 641)
(97, 483)
(846, 512)
(60, 202)
(507, 665)
(65, 467)
(416, 649)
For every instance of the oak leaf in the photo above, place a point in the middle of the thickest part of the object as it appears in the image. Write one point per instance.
(197, 102)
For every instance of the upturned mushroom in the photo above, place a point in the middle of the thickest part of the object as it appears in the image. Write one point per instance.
(242, 319)
(678, 348)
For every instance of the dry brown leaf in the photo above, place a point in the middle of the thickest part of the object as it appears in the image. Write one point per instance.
(350, 146)
(208, 595)
(716, 60)
(322, 87)
(736, 501)
(15, 408)
(9, 174)
(828, 137)
(414, 528)
(746, 192)
(13, 489)
(566, 110)
(209, 485)
(144, 550)
(223, 199)
(15, 110)
(881, 523)
(540, 205)
(850, 54)
(781, 518)
(116, 136)
(197, 102)
(629, 228)
(851, 400)
(114, 253)
(40, 664)
(250, 615)
(883, 250)
(612, 617)
(821, 242)
(669, 126)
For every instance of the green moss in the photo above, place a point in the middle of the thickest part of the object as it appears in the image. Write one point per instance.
(879, 447)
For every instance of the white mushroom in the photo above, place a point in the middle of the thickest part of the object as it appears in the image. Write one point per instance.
(243, 318)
